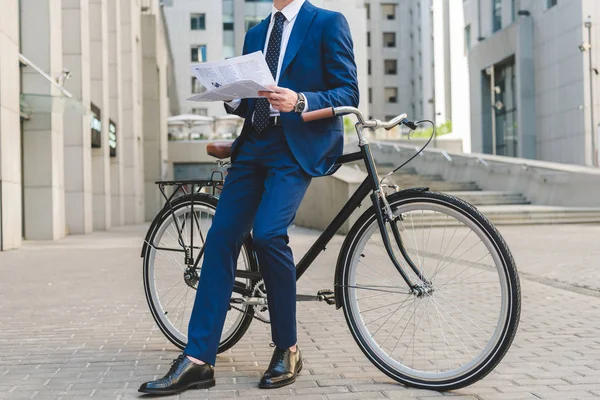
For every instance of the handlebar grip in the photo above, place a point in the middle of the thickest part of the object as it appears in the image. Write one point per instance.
(318, 114)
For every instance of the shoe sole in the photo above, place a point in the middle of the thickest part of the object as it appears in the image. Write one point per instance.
(196, 385)
(285, 383)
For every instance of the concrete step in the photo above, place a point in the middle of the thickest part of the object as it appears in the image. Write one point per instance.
(522, 215)
(536, 214)
(482, 198)
(436, 186)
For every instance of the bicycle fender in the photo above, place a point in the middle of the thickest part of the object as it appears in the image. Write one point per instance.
(348, 242)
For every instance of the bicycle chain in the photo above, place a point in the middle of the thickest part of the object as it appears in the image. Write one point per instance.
(253, 316)
(254, 289)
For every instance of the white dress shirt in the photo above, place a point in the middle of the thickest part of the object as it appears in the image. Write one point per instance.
(290, 13)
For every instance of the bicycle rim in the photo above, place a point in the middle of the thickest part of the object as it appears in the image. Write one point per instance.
(450, 334)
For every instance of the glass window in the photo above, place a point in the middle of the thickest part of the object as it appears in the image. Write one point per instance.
(198, 53)
(391, 67)
(389, 11)
(112, 138)
(370, 95)
(497, 15)
(368, 7)
(513, 10)
(552, 3)
(391, 94)
(198, 22)
(369, 67)
(467, 38)
(368, 39)
(251, 22)
(196, 86)
(389, 39)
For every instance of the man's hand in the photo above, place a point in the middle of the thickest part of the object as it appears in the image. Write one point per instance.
(281, 99)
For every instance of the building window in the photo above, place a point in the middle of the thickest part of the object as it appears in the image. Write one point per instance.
(391, 67)
(112, 138)
(389, 11)
(497, 15)
(368, 7)
(198, 22)
(513, 10)
(370, 95)
(368, 39)
(389, 39)
(467, 39)
(391, 94)
(200, 111)
(251, 22)
(96, 126)
(552, 3)
(227, 26)
(369, 67)
(199, 53)
(196, 86)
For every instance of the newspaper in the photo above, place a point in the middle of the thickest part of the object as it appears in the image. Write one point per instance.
(235, 78)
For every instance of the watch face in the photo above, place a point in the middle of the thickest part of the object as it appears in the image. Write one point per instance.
(301, 105)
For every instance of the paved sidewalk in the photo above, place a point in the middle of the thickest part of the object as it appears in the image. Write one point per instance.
(74, 324)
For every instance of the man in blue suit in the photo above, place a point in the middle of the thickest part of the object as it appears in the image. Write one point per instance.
(310, 54)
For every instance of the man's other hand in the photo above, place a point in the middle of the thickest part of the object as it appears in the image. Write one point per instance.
(281, 99)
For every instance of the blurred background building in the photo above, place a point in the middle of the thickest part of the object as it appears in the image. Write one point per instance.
(533, 75)
(93, 93)
(417, 62)
(215, 30)
(85, 95)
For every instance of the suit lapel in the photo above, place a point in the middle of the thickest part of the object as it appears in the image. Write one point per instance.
(303, 21)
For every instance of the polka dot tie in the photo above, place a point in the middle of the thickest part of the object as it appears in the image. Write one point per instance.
(262, 111)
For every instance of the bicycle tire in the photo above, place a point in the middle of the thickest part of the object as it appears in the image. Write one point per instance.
(510, 323)
(206, 200)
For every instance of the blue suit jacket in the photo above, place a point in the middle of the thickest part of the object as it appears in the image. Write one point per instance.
(319, 62)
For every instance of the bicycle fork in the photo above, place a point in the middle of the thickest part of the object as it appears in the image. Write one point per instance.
(385, 215)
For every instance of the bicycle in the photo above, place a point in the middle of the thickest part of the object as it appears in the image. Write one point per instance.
(428, 286)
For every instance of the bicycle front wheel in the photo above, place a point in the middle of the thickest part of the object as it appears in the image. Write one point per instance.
(458, 328)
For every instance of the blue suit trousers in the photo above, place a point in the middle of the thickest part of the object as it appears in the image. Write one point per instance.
(262, 192)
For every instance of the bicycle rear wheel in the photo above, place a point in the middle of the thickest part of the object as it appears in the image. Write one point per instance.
(458, 328)
(170, 285)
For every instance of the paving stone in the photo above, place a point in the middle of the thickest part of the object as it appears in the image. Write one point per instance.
(74, 324)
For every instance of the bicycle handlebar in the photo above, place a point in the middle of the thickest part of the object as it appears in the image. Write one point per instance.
(318, 114)
(373, 124)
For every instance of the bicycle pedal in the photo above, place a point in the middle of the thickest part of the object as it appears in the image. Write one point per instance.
(326, 295)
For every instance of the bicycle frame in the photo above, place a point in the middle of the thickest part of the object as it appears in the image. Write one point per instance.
(372, 186)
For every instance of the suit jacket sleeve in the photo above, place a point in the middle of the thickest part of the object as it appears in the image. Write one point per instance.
(340, 67)
(242, 109)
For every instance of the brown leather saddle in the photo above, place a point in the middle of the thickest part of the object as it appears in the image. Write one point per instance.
(220, 149)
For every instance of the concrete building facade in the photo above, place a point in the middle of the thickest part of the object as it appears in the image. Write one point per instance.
(78, 80)
(215, 30)
(533, 72)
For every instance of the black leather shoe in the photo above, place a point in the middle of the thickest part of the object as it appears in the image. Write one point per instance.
(183, 375)
(284, 367)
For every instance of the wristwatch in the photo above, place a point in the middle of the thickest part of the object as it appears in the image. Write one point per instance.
(301, 104)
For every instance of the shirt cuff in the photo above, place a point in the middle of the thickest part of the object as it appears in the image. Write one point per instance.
(234, 104)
